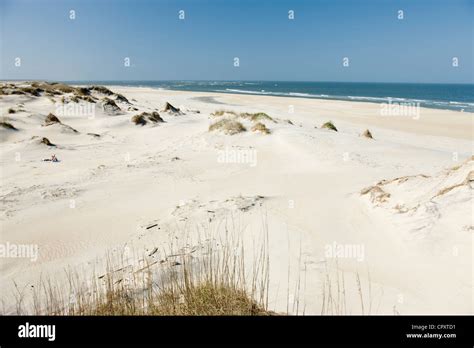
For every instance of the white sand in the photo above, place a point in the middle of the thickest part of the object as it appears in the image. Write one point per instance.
(417, 257)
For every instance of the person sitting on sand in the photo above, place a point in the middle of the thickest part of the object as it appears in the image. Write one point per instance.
(52, 159)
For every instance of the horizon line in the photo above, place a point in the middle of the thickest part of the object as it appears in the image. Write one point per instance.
(217, 80)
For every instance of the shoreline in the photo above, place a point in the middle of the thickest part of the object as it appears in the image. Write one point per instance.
(373, 118)
(357, 99)
(422, 103)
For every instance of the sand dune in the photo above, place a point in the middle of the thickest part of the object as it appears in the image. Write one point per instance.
(118, 184)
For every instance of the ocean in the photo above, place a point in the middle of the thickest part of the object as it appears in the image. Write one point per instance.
(458, 97)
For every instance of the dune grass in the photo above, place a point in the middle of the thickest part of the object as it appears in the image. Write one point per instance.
(256, 117)
(367, 134)
(82, 91)
(155, 117)
(109, 106)
(179, 283)
(260, 127)
(121, 98)
(46, 141)
(58, 87)
(377, 194)
(31, 90)
(208, 299)
(51, 119)
(467, 182)
(7, 125)
(102, 90)
(143, 118)
(87, 98)
(139, 120)
(227, 126)
(222, 112)
(218, 282)
(171, 109)
(329, 125)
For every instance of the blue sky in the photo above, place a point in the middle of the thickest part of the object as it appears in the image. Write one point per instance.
(380, 47)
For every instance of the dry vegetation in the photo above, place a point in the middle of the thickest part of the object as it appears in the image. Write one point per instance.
(367, 134)
(260, 127)
(102, 90)
(334, 295)
(51, 119)
(467, 182)
(46, 141)
(377, 194)
(86, 98)
(228, 126)
(67, 93)
(218, 283)
(145, 117)
(329, 125)
(208, 299)
(110, 107)
(171, 109)
(139, 120)
(229, 123)
(219, 113)
(256, 117)
(7, 125)
(120, 98)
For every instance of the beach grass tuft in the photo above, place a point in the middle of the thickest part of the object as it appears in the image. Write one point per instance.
(31, 90)
(155, 117)
(329, 125)
(82, 91)
(102, 90)
(207, 298)
(171, 109)
(51, 119)
(110, 107)
(46, 141)
(260, 127)
(217, 283)
(219, 113)
(143, 118)
(256, 117)
(7, 125)
(139, 120)
(367, 134)
(121, 98)
(228, 126)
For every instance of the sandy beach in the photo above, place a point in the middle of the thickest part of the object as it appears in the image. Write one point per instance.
(392, 213)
